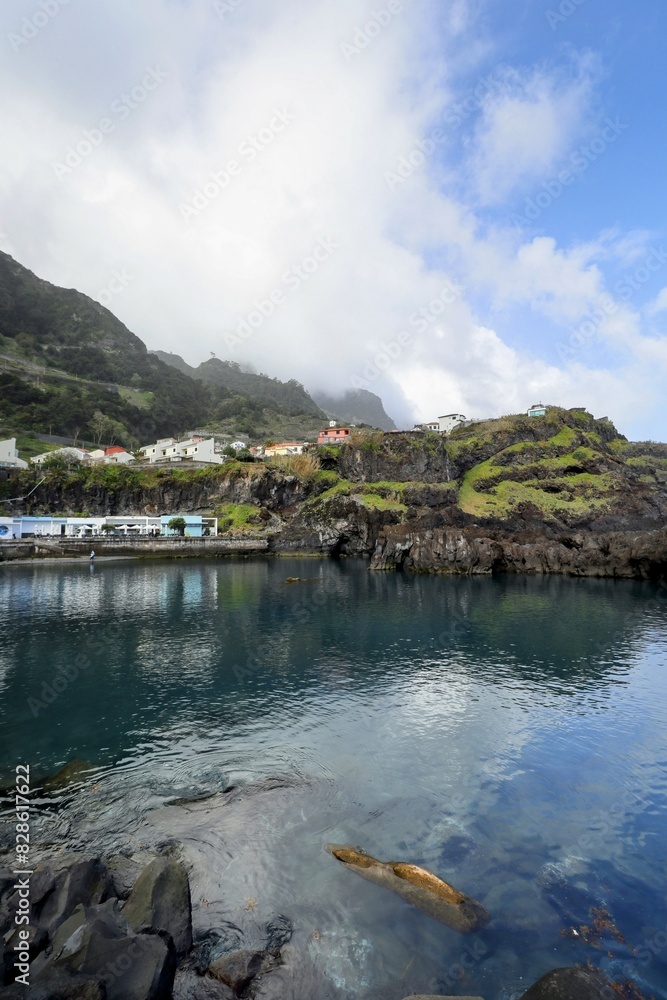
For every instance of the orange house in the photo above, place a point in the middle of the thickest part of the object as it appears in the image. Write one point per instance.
(333, 435)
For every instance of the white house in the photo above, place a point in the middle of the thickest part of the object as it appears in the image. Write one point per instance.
(537, 410)
(9, 456)
(450, 421)
(432, 425)
(195, 449)
(69, 454)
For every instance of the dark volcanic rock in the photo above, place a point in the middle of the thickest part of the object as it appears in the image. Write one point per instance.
(190, 986)
(63, 986)
(160, 901)
(124, 873)
(95, 941)
(476, 550)
(84, 882)
(238, 968)
(570, 984)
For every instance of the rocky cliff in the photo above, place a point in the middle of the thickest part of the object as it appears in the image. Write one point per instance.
(564, 494)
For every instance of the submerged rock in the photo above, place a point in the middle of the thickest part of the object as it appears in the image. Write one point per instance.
(418, 886)
(190, 986)
(570, 984)
(160, 901)
(68, 775)
(238, 968)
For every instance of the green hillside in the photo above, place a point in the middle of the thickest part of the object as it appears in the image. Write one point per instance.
(64, 358)
(68, 367)
(284, 397)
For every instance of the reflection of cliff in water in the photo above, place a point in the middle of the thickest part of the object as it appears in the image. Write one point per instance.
(196, 641)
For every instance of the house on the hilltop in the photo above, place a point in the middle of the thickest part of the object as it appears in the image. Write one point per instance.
(537, 410)
(333, 434)
(450, 421)
(9, 455)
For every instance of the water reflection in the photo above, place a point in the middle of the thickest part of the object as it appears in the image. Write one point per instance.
(508, 733)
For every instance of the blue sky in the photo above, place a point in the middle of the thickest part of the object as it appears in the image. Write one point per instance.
(457, 205)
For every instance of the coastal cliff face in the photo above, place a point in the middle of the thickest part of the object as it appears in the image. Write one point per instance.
(472, 551)
(563, 494)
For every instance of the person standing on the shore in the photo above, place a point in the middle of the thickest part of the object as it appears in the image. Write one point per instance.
(92, 555)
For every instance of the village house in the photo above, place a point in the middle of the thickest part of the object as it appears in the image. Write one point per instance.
(445, 424)
(69, 454)
(195, 449)
(285, 448)
(333, 434)
(9, 456)
(537, 410)
(115, 455)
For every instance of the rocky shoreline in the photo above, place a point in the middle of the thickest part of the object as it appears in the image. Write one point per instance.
(464, 551)
(114, 930)
(132, 924)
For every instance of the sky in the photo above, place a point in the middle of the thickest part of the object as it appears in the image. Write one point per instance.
(457, 205)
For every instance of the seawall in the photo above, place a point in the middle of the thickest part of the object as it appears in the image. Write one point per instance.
(173, 548)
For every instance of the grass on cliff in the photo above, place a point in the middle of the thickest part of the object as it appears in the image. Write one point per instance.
(237, 517)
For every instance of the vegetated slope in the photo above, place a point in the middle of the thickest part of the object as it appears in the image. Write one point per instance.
(63, 358)
(356, 406)
(564, 469)
(284, 397)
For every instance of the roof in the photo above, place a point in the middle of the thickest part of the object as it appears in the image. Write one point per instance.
(115, 449)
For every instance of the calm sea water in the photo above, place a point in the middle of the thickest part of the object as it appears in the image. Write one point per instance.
(507, 733)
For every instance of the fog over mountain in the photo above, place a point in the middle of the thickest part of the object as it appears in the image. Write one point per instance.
(456, 207)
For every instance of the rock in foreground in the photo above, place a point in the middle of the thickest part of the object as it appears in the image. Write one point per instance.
(418, 886)
(570, 984)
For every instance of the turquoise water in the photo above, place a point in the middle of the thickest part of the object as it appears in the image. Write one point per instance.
(507, 733)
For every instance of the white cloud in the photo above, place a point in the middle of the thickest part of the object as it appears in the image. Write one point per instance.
(322, 176)
(528, 122)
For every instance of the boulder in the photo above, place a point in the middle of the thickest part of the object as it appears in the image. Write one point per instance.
(418, 886)
(96, 942)
(124, 873)
(160, 901)
(238, 968)
(570, 984)
(62, 986)
(85, 883)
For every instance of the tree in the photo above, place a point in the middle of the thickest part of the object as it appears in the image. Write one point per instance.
(177, 524)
